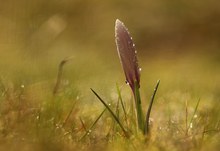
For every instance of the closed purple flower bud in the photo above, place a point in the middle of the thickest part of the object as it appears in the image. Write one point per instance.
(127, 54)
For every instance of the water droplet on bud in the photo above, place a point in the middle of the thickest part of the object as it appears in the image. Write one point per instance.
(127, 82)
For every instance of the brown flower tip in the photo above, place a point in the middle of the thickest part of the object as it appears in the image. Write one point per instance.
(127, 54)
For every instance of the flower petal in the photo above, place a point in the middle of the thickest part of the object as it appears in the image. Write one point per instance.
(127, 54)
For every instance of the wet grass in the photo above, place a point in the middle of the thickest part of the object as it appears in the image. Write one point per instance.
(185, 115)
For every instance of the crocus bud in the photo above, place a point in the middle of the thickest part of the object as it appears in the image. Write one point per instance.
(127, 55)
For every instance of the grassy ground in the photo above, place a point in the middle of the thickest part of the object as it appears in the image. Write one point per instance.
(185, 115)
(36, 35)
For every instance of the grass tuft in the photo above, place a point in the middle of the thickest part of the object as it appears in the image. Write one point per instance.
(92, 126)
(112, 113)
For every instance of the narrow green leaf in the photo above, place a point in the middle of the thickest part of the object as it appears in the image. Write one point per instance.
(194, 113)
(83, 124)
(112, 113)
(150, 107)
(186, 118)
(68, 116)
(122, 104)
(94, 123)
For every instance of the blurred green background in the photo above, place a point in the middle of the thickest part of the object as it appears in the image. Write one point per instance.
(36, 35)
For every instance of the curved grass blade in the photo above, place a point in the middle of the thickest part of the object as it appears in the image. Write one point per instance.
(60, 73)
(150, 107)
(112, 113)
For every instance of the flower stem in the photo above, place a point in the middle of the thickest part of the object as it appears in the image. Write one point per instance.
(139, 111)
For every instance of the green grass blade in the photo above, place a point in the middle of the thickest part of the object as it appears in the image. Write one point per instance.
(150, 107)
(59, 74)
(194, 113)
(94, 123)
(122, 104)
(117, 108)
(69, 114)
(186, 118)
(112, 113)
(83, 124)
(117, 114)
